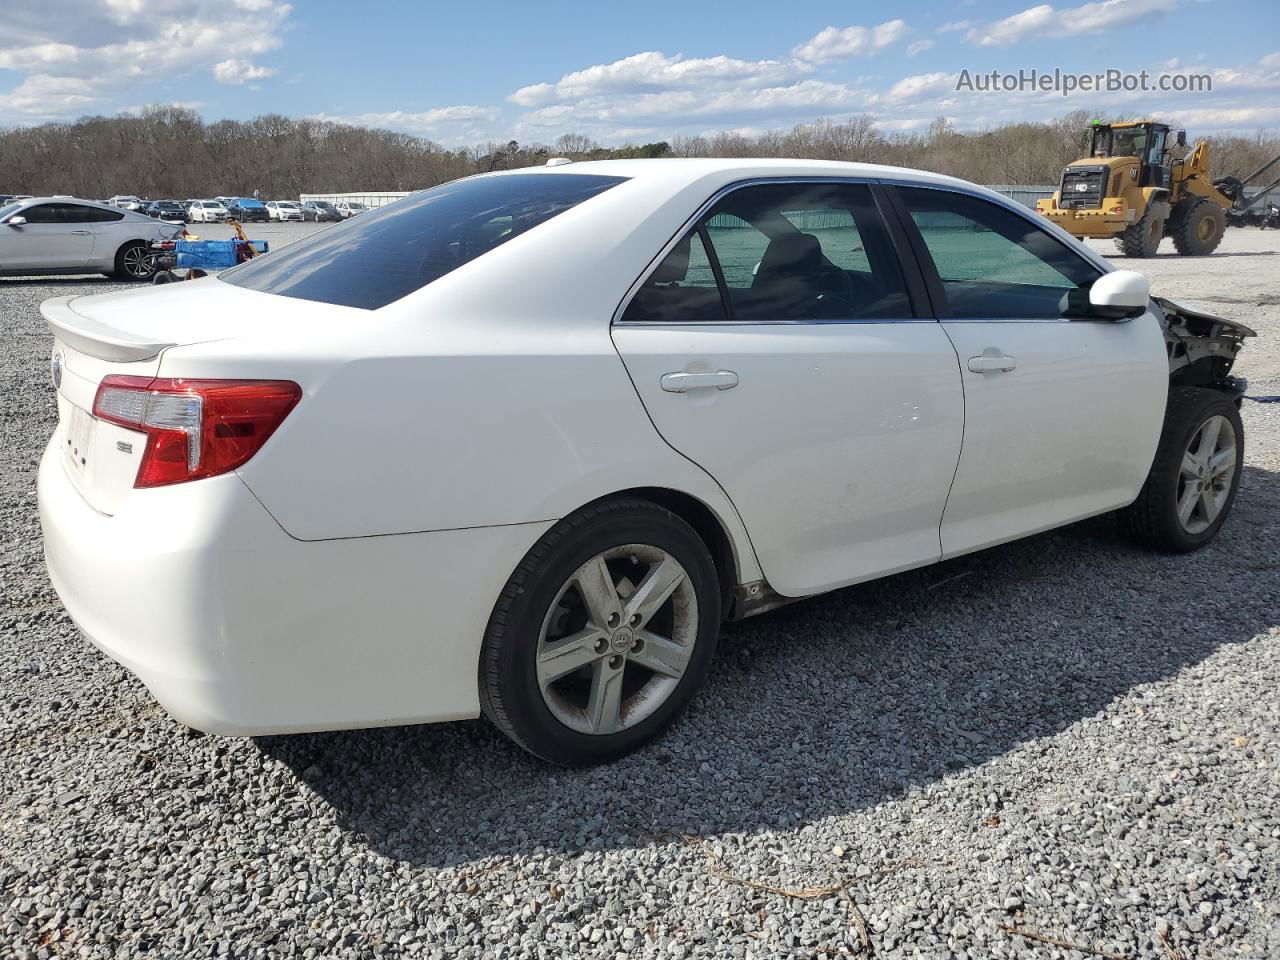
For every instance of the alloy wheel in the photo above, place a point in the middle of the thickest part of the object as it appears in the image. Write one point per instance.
(617, 639)
(1206, 474)
(137, 262)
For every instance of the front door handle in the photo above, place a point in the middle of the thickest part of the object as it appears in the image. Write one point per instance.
(80, 233)
(992, 363)
(683, 382)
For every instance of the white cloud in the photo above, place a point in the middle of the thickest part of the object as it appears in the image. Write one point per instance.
(652, 72)
(955, 26)
(921, 85)
(237, 72)
(1067, 21)
(841, 43)
(74, 56)
(919, 46)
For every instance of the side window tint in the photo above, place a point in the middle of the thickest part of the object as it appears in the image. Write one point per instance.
(806, 252)
(740, 247)
(994, 263)
(681, 290)
(42, 213)
(104, 216)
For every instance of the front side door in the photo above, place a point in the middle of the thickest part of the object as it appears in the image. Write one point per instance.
(1062, 411)
(46, 240)
(776, 346)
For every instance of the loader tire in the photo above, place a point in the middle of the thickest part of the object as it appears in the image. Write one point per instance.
(1200, 231)
(1142, 239)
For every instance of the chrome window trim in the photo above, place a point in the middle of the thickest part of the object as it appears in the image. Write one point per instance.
(715, 198)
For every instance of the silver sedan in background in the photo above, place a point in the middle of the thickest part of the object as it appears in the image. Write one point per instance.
(60, 235)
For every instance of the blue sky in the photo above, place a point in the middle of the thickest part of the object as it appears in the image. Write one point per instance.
(463, 73)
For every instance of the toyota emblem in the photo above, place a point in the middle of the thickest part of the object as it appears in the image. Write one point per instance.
(55, 369)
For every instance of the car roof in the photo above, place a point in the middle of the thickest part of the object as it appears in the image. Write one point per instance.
(682, 171)
(32, 201)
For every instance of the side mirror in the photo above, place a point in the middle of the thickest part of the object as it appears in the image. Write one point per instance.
(16, 221)
(1182, 138)
(1119, 295)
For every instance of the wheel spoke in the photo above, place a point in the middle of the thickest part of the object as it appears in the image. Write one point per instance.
(1208, 504)
(599, 594)
(661, 655)
(561, 658)
(1222, 461)
(1208, 438)
(1190, 465)
(655, 589)
(604, 706)
(1187, 503)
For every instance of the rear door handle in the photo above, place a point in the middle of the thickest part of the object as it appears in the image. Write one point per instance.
(992, 363)
(683, 382)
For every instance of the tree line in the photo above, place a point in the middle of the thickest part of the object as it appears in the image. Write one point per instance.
(169, 151)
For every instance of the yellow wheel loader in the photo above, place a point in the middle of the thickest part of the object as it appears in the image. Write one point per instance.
(1139, 186)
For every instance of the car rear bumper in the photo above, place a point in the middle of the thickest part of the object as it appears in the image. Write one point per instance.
(237, 628)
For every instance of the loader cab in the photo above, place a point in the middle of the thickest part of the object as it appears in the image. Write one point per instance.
(1149, 143)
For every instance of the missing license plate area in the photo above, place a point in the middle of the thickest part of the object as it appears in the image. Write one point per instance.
(77, 432)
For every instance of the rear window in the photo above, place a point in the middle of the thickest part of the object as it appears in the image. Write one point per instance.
(394, 250)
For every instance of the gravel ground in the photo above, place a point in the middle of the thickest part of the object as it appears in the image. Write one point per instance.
(1067, 737)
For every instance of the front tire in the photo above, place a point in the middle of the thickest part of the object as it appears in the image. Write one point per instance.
(602, 635)
(1142, 239)
(1194, 477)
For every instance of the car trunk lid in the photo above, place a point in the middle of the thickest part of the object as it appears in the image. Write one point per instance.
(130, 333)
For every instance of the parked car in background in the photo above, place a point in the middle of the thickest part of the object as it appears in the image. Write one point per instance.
(247, 210)
(320, 211)
(206, 211)
(349, 208)
(126, 202)
(777, 378)
(166, 210)
(48, 235)
(284, 209)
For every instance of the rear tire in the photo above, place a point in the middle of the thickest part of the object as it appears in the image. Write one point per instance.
(1195, 475)
(1200, 231)
(135, 263)
(581, 663)
(1142, 239)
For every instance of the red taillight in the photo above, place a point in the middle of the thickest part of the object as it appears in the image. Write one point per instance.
(194, 428)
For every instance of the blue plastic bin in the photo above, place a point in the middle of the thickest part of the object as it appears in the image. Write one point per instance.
(211, 254)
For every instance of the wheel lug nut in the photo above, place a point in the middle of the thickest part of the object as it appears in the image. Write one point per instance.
(615, 662)
(613, 619)
(636, 645)
(601, 645)
(635, 620)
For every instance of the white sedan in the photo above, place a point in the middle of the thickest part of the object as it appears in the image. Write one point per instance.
(349, 208)
(60, 235)
(519, 443)
(284, 210)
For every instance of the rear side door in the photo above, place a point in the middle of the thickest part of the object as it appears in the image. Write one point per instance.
(778, 345)
(47, 241)
(1062, 410)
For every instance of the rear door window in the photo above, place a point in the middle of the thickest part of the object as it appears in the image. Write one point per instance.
(373, 260)
(787, 253)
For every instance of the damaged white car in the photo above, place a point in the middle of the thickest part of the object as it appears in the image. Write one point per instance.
(519, 443)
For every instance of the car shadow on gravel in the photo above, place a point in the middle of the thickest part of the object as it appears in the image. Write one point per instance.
(830, 705)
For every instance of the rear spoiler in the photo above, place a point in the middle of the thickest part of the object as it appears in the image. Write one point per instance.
(96, 338)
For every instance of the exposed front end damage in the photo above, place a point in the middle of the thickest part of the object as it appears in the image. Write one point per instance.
(1202, 348)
